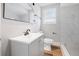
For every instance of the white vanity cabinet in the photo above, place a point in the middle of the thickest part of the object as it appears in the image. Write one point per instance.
(27, 46)
(37, 47)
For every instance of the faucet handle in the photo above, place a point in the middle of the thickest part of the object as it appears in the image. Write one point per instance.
(28, 29)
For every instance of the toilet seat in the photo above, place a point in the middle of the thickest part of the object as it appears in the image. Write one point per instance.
(47, 43)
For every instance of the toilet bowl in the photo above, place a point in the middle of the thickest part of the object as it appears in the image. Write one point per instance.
(47, 43)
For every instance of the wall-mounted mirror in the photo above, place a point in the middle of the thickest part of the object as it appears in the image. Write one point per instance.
(16, 11)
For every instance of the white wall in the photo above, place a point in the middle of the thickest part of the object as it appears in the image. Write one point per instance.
(36, 24)
(48, 29)
(69, 18)
(0, 29)
(12, 29)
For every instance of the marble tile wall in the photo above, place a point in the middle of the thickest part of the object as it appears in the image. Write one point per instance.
(69, 18)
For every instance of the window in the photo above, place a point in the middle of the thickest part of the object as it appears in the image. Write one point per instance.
(49, 15)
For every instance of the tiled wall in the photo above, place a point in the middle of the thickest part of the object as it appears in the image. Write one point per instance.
(70, 27)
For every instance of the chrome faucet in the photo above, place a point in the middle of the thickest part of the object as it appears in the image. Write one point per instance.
(27, 32)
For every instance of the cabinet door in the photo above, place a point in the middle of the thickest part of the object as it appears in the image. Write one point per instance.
(34, 48)
(19, 49)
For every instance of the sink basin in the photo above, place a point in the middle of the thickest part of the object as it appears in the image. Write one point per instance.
(28, 38)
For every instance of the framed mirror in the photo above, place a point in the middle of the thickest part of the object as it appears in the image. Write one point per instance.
(16, 11)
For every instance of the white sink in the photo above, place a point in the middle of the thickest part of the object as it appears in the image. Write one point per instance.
(31, 44)
(28, 38)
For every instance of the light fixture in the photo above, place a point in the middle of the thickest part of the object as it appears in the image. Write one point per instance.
(33, 4)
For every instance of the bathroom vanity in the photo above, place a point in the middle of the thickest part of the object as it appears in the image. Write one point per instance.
(29, 45)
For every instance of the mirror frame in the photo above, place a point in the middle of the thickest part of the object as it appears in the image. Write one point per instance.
(4, 17)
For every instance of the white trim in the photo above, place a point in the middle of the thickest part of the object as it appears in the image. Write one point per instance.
(64, 51)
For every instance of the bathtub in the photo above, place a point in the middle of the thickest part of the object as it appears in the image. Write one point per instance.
(64, 50)
(62, 47)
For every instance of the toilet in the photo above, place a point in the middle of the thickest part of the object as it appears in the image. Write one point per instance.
(47, 43)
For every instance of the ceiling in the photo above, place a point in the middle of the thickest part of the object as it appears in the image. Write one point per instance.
(44, 4)
(29, 6)
(40, 4)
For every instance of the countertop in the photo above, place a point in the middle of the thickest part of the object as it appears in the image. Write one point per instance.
(28, 38)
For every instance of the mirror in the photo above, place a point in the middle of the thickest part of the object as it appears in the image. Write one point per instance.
(16, 11)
